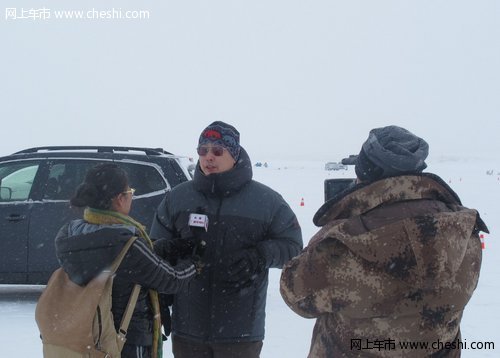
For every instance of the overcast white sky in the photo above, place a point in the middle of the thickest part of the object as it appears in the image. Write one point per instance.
(299, 79)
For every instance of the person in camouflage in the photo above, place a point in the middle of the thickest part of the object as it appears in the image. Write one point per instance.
(395, 262)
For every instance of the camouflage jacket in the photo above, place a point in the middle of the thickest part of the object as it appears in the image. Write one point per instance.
(395, 262)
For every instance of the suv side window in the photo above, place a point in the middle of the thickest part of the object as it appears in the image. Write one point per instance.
(65, 176)
(143, 178)
(16, 180)
(174, 173)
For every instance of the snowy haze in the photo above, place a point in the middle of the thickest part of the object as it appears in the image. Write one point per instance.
(288, 335)
(299, 79)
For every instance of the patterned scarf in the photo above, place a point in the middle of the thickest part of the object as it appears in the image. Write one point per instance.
(108, 217)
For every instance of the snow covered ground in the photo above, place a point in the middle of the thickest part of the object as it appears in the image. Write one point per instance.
(288, 335)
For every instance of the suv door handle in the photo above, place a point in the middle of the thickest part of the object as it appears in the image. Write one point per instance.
(15, 217)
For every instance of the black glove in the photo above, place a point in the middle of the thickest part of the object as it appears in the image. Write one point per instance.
(182, 248)
(166, 300)
(243, 267)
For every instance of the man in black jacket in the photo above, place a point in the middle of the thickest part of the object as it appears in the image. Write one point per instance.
(245, 227)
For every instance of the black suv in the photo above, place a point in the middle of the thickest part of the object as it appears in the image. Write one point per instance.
(36, 185)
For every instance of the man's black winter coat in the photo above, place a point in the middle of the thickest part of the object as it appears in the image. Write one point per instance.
(242, 214)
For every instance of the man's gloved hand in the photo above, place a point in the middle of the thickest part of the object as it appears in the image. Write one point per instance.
(182, 248)
(166, 300)
(242, 267)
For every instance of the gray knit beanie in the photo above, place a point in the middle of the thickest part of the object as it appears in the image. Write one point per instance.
(389, 151)
(223, 134)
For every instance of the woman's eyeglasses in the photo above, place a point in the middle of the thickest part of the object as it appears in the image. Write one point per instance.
(216, 150)
(130, 191)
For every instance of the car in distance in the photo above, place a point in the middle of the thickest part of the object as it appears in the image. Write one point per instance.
(335, 166)
(36, 185)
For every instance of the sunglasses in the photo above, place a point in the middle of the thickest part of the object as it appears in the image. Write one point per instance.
(130, 191)
(216, 150)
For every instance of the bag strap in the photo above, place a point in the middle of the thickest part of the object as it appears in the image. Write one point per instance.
(127, 315)
(118, 260)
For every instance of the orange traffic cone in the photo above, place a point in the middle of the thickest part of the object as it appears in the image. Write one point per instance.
(302, 202)
(482, 241)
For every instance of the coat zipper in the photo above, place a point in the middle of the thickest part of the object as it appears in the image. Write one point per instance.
(211, 275)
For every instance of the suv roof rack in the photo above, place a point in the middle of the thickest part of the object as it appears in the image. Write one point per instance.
(99, 149)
